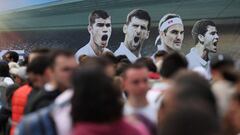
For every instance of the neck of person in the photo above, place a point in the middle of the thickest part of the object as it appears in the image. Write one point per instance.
(135, 52)
(137, 101)
(201, 51)
(97, 50)
(167, 48)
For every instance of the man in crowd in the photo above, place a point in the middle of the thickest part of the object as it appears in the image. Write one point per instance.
(205, 37)
(11, 56)
(61, 65)
(100, 30)
(135, 83)
(136, 31)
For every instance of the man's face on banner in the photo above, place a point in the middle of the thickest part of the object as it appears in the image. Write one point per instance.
(210, 39)
(173, 38)
(135, 33)
(101, 31)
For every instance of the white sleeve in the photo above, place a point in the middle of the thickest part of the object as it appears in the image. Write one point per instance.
(8, 81)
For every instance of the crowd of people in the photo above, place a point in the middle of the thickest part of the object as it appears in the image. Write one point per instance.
(98, 92)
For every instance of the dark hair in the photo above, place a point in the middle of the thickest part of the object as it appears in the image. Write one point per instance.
(221, 61)
(4, 69)
(13, 56)
(41, 50)
(148, 62)
(200, 27)
(160, 53)
(123, 58)
(121, 67)
(133, 66)
(97, 14)
(101, 62)
(224, 64)
(53, 55)
(190, 120)
(38, 65)
(192, 87)
(172, 64)
(95, 98)
(140, 14)
(110, 56)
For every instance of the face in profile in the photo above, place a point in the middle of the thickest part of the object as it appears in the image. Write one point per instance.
(173, 38)
(101, 31)
(210, 39)
(135, 33)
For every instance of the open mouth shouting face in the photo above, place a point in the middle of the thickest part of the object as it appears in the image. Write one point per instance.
(211, 39)
(101, 31)
(135, 33)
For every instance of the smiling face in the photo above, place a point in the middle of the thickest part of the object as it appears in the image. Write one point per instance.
(210, 39)
(173, 38)
(135, 33)
(100, 32)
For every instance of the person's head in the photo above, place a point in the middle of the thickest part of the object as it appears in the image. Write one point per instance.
(11, 56)
(36, 71)
(160, 55)
(62, 63)
(205, 32)
(19, 75)
(37, 52)
(222, 67)
(189, 86)
(121, 66)
(83, 59)
(190, 119)
(104, 63)
(172, 63)
(135, 80)
(148, 62)
(95, 98)
(171, 31)
(136, 29)
(100, 28)
(4, 69)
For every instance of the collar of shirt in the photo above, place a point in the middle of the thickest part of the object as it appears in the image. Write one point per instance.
(90, 50)
(125, 51)
(199, 58)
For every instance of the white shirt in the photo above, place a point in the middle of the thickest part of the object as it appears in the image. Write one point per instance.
(148, 111)
(123, 50)
(8, 81)
(155, 94)
(194, 60)
(62, 114)
(87, 50)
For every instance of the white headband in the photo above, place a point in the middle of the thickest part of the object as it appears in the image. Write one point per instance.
(170, 22)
